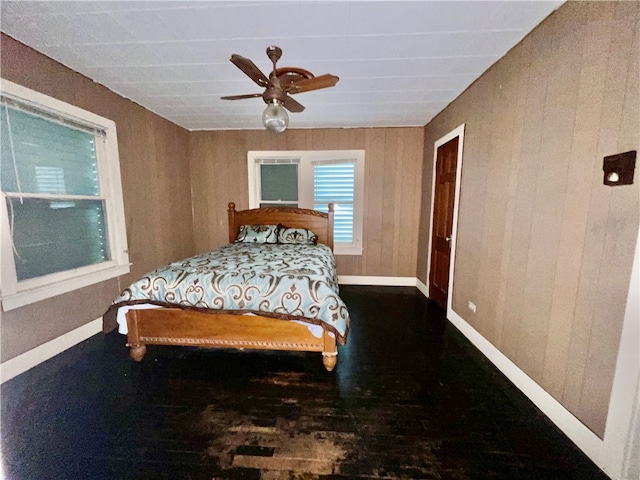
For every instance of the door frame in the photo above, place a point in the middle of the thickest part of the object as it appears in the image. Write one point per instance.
(457, 132)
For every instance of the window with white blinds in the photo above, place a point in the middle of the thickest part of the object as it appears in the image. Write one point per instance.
(334, 182)
(313, 179)
(62, 207)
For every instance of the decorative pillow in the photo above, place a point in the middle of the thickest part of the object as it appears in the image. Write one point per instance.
(257, 234)
(296, 235)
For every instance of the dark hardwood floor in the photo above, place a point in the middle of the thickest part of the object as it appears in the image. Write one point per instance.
(410, 398)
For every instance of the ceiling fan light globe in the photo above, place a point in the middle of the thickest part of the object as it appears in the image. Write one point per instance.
(275, 118)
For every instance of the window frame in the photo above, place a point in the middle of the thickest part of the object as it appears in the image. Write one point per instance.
(306, 159)
(14, 293)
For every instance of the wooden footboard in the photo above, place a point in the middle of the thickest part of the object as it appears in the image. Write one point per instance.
(170, 326)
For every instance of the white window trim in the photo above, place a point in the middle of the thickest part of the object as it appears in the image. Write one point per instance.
(16, 294)
(305, 191)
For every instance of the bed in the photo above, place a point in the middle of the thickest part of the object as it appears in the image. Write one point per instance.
(164, 308)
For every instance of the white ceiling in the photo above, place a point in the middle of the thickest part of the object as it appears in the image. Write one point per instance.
(399, 63)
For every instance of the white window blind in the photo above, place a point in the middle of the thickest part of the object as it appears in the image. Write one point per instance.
(334, 182)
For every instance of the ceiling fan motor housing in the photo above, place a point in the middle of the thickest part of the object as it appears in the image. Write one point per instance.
(274, 93)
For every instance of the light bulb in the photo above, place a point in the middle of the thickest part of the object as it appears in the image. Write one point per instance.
(613, 177)
(275, 117)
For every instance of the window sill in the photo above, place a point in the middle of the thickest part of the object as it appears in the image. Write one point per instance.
(339, 250)
(37, 294)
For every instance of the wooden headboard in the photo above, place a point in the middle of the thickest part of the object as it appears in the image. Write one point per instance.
(318, 222)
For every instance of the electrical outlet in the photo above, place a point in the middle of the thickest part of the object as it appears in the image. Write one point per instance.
(472, 307)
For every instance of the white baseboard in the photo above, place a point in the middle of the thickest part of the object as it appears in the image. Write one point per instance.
(30, 359)
(584, 438)
(422, 287)
(384, 281)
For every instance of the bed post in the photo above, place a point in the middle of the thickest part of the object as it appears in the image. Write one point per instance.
(233, 231)
(138, 350)
(332, 207)
(330, 351)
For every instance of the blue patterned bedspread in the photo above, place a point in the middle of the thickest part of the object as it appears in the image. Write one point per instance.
(293, 282)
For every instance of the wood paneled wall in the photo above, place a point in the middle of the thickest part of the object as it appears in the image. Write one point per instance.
(544, 249)
(155, 184)
(393, 171)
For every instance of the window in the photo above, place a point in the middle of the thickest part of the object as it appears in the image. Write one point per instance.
(61, 215)
(313, 179)
(334, 181)
(278, 182)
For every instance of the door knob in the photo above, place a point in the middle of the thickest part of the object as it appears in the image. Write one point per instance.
(448, 239)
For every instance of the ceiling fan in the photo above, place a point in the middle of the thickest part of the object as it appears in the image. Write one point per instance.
(281, 83)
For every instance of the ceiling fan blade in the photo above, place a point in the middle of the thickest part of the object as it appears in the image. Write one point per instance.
(250, 69)
(240, 97)
(315, 83)
(292, 105)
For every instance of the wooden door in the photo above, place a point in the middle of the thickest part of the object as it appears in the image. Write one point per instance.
(443, 204)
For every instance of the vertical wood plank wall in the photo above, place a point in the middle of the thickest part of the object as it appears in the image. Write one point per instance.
(155, 184)
(393, 171)
(544, 248)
